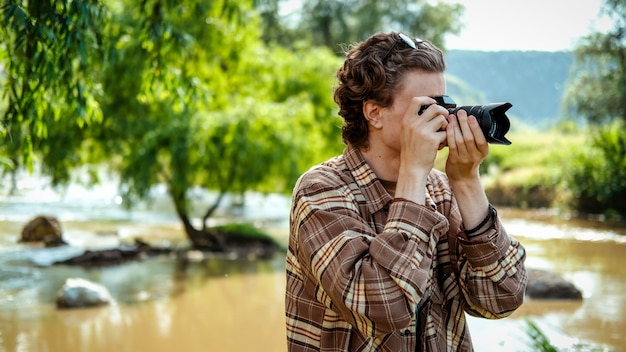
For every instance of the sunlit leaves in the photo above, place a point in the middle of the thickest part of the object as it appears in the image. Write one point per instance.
(176, 93)
(195, 99)
(598, 91)
(598, 80)
(254, 144)
(333, 23)
(48, 49)
(597, 174)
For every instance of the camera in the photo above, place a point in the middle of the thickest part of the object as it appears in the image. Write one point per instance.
(491, 117)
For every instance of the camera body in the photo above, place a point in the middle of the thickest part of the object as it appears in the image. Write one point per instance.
(491, 117)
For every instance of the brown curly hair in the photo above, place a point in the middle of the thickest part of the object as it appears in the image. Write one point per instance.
(373, 70)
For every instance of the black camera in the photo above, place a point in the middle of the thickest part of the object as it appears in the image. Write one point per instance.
(491, 117)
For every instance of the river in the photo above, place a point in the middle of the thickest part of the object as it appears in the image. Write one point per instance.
(227, 304)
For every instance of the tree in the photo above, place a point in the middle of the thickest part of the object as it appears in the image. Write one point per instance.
(215, 108)
(597, 88)
(597, 91)
(338, 22)
(191, 98)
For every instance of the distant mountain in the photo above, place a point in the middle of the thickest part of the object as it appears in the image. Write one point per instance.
(533, 81)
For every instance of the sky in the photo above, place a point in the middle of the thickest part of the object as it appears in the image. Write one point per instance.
(543, 25)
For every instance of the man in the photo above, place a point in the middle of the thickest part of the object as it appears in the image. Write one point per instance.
(385, 252)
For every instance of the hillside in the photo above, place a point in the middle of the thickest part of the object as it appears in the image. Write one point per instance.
(532, 81)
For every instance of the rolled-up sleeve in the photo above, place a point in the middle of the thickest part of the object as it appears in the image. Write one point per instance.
(492, 273)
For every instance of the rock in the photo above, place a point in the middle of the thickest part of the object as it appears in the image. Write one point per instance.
(114, 256)
(547, 285)
(50, 256)
(43, 227)
(51, 241)
(78, 293)
(104, 257)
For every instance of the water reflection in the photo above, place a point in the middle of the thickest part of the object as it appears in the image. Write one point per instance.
(161, 305)
(212, 317)
(598, 269)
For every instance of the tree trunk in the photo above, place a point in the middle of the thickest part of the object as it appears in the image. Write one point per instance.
(201, 239)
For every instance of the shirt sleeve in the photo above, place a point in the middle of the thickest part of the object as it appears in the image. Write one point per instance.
(373, 280)
(492, 273)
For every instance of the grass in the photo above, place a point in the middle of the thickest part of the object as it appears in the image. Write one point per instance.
(539, 341)
(247, 231)
(529, 172)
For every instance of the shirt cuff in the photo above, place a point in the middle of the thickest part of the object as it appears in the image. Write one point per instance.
(486, 248)
(405, 215)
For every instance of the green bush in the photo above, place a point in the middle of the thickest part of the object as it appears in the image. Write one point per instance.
(596, 175)
(529, 172)
(583, 170)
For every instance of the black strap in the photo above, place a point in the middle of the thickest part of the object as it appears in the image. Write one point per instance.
(490, 215)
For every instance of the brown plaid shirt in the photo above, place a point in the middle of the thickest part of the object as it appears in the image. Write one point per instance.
(361, 264)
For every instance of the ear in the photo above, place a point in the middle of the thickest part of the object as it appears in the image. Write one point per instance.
(373, 114)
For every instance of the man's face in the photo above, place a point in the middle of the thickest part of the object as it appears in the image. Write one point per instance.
(416, 84)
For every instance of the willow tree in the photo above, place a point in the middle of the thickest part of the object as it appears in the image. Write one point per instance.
(176, 93)
(47, 49)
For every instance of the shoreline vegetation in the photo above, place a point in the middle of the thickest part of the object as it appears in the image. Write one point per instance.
(577, 171)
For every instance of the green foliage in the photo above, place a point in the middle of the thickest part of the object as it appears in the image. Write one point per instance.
(598, 80)
(597, 173)
(336, 22)
(6, 163)
(245, 230)
(48, 48)
(193, 94)
(530, 148)
(180, 93)
(580, 169)
(530, 172)
(210, 106)
(538, 340)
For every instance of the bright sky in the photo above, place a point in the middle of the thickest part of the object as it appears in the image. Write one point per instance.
(544, 25)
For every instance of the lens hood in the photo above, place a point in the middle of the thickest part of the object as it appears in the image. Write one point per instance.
(492, 120)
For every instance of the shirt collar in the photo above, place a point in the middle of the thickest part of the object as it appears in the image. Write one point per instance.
(376, 197)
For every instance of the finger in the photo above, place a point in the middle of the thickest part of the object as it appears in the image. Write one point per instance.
(444, 123)
(466, 130)
(479, 136)
(418, 102)
(461, 145)
(451, 134)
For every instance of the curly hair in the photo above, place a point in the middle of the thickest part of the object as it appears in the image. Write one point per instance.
(373, 70)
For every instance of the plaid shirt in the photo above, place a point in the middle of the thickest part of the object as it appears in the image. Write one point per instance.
(366, 272)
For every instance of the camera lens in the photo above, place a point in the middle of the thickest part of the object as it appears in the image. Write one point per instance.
(492, 120)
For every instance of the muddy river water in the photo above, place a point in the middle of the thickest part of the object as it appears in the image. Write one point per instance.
(228, 304)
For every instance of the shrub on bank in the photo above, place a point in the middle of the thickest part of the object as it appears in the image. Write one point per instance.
(581, 170)
(529, 172)
(577, 169)
(596, 177)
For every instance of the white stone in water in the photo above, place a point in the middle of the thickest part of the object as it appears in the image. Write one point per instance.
(82, 293)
